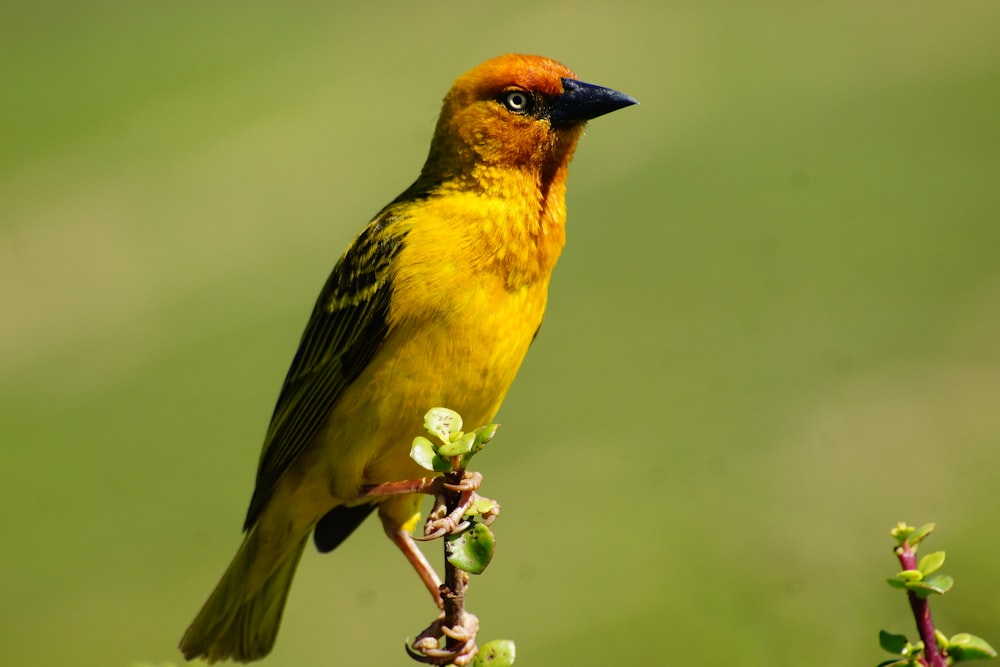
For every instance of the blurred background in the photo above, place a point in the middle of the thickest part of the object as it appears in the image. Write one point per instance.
(774, 333)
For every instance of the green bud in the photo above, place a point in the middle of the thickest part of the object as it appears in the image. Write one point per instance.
(901, 531)
(497, 653)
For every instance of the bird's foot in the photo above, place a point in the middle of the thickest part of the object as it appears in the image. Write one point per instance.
(468, 481)
(440, 521)
(459, 642)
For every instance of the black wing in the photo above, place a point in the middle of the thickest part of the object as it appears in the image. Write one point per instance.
(347, 326)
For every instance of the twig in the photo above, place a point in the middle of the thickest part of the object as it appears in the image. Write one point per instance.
(460, 516)
(457, 627)
(921, 610)
(456, 581)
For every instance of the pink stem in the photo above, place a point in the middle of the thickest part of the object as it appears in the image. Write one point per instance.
(921, 611)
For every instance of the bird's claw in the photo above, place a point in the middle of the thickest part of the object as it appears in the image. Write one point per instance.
(460, 642)
(441, 529)
(470, 481)
(440, 522)
(449, 524)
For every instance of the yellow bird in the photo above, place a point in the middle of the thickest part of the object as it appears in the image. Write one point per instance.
(435, 303)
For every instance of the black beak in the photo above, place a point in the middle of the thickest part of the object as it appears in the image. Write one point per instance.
(581, 101)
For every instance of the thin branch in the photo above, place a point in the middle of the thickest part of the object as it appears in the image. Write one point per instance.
(456, 626)
(456, 581)
(921, 610)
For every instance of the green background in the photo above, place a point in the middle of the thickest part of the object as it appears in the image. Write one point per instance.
(774, 333)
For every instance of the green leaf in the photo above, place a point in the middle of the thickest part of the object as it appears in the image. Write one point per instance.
(497, 653)
(911, 575)
(940, 584)
(423, 452)
(917, 536)
(922, 590)
(442, 422)
(462, 445)
(896, 582)
(471, 550)
(964, 646)
(931, 562)
(483, 435)
(892, 643)
(481, 505)
(892, 663)
(442, 464)
(942, 641)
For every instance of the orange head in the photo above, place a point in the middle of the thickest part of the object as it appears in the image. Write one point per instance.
(514, 112)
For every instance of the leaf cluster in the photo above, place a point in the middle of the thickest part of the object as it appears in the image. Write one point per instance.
(923, 581)
(470, 548)
(454, 448)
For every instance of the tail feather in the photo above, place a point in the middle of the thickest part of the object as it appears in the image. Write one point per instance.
(240, 619)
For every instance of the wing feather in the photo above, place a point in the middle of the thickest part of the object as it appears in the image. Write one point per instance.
(346, 328)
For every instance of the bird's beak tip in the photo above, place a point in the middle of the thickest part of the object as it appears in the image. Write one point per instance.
(582, 101)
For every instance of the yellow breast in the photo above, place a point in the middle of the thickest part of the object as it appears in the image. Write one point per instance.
(469, 291)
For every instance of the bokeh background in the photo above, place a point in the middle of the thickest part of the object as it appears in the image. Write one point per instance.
(775, 331)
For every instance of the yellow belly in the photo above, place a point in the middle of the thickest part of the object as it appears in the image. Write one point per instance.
(465, 360)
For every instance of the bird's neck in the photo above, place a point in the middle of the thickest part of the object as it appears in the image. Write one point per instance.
(504, 221)
(521, 221)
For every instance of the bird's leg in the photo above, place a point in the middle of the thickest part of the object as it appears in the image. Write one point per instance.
(454, 494)
(402, 539)
(439, 521)
(427, 485)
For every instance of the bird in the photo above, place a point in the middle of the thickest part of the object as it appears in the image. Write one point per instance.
(434, 303)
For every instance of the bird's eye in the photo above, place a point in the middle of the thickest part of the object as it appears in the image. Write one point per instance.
(518, 101)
